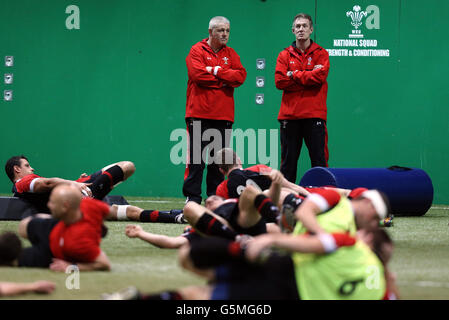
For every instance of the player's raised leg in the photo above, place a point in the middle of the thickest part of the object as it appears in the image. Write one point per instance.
(207, 222)
(102, 182)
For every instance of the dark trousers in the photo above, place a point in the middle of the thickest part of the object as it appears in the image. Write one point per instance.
(314, 133)
(200, 138)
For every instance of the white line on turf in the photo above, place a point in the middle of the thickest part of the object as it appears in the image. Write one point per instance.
(431, 284)
(442, 208)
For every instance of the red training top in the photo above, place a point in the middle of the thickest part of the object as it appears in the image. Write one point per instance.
(80, 241)
(26, 184)
(325, 199)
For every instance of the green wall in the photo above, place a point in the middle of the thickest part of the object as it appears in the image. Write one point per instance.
(115, 88)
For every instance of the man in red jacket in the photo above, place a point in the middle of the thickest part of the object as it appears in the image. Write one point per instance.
(301, 72)
(214, 70)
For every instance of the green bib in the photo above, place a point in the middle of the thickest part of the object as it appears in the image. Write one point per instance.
(350, 273)
(339, 219)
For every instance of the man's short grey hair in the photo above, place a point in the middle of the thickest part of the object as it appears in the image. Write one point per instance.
(226, 159)
(304, 16)
(217, 20)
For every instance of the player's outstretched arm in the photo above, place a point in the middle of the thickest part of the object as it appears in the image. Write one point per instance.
(158, 240)
(323, 243)
(12, 288)
(101, 263)
(47, 184)
(306, 213)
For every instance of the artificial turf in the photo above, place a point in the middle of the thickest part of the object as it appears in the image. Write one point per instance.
(420, 259)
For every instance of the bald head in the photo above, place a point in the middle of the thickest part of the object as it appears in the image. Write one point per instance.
(64, 200)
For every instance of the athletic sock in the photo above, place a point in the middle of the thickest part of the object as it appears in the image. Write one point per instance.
(165, 295)
(103, 184)
(215, 251)
(157, 216)
(115, 173)
(267, 209)
(210, 226)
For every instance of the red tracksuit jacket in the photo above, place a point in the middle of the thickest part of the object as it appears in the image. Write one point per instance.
(211, 96)
(305, 93)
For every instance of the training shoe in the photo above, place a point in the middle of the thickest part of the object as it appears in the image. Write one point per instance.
(130, 293)
(180, 218)
(387, 222)
(287, 218)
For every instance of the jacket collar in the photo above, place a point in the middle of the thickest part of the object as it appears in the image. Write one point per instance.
(207, 47)
(293, 49)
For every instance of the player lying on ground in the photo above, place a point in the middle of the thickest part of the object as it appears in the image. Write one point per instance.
(72, 235)
(259, 176)
(222, 217)
(251, 214)
(237, 178)
(326, 210)
(36, 189)
(10, 246)
(332, 212)
(338, 214)
(341, 275)
(290, 202)
(255, 271)
(214, 254)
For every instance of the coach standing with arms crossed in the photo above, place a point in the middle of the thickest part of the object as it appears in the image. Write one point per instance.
(301, 72)
(214, 70)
